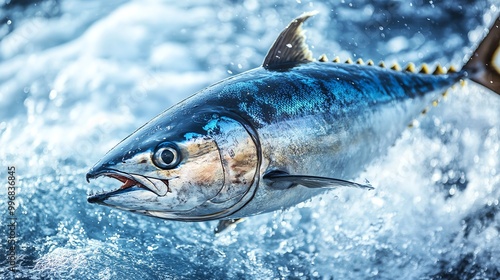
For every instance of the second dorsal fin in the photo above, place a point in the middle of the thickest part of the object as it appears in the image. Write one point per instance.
(290, 47)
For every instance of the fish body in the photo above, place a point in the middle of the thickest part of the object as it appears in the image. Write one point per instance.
(271, 137)
(321, 118)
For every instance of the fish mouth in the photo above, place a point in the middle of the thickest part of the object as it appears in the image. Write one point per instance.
(158, 186)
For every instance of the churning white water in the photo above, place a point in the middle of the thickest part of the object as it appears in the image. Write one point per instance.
(78, 76)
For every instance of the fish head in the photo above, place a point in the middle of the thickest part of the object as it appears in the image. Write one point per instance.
(189, 167)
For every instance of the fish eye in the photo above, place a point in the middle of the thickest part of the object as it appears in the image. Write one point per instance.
(166, 156)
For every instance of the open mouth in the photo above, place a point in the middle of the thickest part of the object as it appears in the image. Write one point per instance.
(158, 186)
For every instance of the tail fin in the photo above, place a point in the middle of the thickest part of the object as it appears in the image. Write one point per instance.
(484, 65)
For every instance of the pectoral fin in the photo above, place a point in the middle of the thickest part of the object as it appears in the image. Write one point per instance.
(282, 180)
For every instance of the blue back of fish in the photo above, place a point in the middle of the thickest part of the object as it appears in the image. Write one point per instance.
(318, 119)
(322, 118)
(335, 88)
(323, 108)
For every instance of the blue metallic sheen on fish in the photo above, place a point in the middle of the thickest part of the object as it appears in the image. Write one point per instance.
(276, 135)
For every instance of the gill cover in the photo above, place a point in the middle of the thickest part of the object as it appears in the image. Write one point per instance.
(240, 160)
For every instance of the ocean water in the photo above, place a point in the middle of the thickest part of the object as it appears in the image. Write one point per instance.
(78, 76)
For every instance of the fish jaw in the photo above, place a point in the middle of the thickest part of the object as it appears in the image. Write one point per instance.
(147, 195)
(160, 187)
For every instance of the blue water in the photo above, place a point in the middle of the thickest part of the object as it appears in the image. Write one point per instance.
(78, 76)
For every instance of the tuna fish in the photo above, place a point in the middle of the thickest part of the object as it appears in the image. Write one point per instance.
(277, 135)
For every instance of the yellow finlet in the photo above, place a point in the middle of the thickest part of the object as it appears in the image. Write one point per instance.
(396, 67)
(323, 58)
(370, 62)
(410, 68)
(348, 61)
(424, 69)
(452, 69)
(336, 59)
(463, 82)
(435, 102)
(439, 70)
(381, 64)
(360, 61)
(424, 111)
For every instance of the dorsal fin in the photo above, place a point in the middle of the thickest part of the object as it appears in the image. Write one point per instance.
(290, 47)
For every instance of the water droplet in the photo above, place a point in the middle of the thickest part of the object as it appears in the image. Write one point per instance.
(52, 94)
(452, 191)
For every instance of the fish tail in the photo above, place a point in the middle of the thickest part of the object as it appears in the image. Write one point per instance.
(484, 65)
